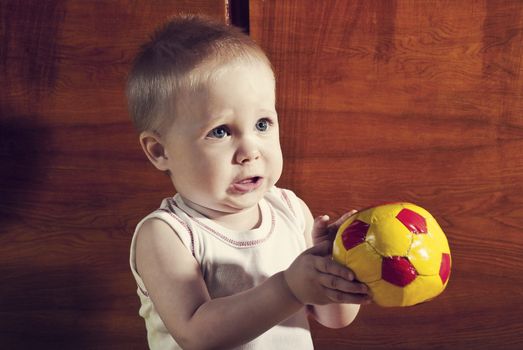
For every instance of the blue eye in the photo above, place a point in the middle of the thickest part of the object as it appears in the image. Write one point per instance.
(219, 133)
(262, 124)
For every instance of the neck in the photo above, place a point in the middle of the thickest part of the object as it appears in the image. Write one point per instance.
(245, 219)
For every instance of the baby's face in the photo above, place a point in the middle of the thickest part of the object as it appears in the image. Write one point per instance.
(223, 148)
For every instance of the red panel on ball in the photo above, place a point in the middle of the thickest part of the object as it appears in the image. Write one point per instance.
(354, 234)
(398, 271)
(413, 221)
(444, 269)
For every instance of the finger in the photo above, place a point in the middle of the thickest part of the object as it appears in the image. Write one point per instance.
(320, 225)
(328, 266)
(339, 297)
(342, 285)
(320, 222)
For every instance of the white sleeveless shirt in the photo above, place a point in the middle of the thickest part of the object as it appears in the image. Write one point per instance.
(232, 261)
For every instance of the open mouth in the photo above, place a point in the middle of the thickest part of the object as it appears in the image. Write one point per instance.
(247, 185)
(253, 179)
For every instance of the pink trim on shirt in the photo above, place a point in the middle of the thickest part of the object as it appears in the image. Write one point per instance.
(184, 224)
(239, 244)
(288, 201)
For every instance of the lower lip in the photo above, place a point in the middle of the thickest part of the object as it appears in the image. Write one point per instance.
(247, 186)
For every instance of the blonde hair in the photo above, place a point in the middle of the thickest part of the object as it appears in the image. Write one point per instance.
(179, 57)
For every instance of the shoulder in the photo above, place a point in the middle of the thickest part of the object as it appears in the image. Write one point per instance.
(153, 229)
(155, 239)
(165, 222)
(294, 206)
(286, 198)
(160, 254)
(290, 199)
(159, 235)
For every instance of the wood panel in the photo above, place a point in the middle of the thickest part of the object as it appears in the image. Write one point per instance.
(73, 180)
(416, 101)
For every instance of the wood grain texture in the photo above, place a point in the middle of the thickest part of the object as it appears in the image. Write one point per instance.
(73, 181)
(379, 101)
(416, 101)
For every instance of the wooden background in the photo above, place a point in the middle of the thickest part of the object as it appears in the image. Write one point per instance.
(379, 101)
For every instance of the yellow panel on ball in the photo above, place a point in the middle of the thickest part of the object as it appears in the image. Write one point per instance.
(425, 254)
(386, 294)
(423, 289)
(437, 235)
(364, 262)
(387, 235)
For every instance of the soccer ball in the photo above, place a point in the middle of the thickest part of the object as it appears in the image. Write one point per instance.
(398, 250)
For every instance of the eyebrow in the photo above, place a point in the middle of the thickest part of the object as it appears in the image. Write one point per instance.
(216, 120)
(269, 111)
(212, 121)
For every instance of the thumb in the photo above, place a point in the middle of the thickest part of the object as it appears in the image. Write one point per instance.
(321, 220)
(323, 248)
(319, 226)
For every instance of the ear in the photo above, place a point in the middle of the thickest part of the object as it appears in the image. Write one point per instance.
(154, 149)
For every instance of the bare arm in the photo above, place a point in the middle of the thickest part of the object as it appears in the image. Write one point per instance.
(334, 315)
(178, 291)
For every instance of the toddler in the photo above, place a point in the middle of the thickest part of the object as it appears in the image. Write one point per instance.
(231, 260)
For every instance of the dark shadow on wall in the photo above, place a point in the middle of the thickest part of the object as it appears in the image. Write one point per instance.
(22, 140)
(62, 307)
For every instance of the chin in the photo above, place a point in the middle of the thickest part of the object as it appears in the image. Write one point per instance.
(245, 201)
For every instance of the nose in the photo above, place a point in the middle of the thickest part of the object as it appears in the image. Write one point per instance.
(247, 151)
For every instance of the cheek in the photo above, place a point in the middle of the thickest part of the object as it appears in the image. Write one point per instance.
(280, 164)
(276, 157)
(212, 169)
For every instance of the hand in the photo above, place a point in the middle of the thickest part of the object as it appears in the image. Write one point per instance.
(322, 231)
(314, 278)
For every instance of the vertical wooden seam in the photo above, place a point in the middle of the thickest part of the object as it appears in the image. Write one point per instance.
(238, 14)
